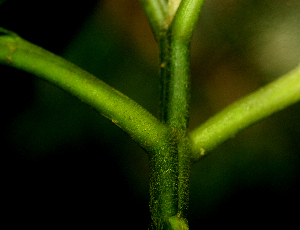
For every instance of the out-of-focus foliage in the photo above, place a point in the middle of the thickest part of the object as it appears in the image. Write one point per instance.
(2, 1)
(62, 154)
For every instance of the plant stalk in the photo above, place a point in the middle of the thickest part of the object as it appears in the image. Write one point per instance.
(247, 111)
(137, 122)
(170, 168)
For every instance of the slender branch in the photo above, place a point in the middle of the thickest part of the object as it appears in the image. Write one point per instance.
(266, 101)
(144, 128)
(155, 11)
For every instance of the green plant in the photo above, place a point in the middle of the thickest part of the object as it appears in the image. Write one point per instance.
(171, 148)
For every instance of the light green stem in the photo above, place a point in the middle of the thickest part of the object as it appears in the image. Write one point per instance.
(186, 18)
(266, 101)
(156, 13)
(144, 128)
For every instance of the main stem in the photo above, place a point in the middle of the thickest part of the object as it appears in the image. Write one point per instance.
(175, 75)
(173, 25)
(170, 167)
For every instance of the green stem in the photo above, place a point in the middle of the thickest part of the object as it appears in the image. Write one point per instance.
(170, 169)
(172, 191)
(164, 54)
(179, 85)
(156, 12)
(164, 185)
(186, 18)
(266, 101)
(176, 76)
(169, 181)
(144, 128)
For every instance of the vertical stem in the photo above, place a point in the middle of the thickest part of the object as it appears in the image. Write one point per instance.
(169, 181)
(164, 54)
(170, 168)
(184, 171)
(179, 85)
(175, 75)
(164, 185)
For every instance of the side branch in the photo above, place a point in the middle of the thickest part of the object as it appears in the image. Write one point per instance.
(143, 127)
(264, 102)
(156, 12)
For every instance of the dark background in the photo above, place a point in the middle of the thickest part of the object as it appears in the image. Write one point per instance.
(65, 164)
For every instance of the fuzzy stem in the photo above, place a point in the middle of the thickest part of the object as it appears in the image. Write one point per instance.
(170, 195)
(164, 184)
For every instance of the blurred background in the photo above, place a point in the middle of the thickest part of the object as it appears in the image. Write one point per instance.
(65, 164)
